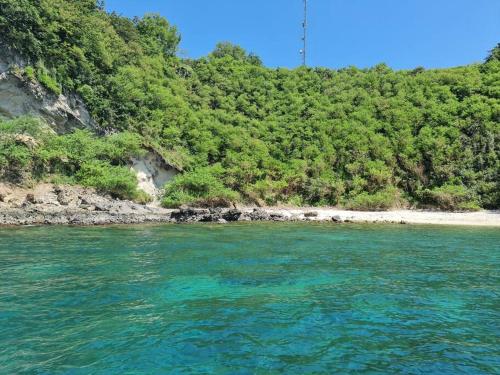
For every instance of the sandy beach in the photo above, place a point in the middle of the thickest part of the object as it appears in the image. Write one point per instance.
(479, 218)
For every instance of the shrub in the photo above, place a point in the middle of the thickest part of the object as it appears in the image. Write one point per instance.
(17, 148)
(65, 154)
(30, 73)
(48, 81)
(379, 201)
(266, 191)
(24, 125)
(15, 160)
(119, 148)
(201, 187)
(142, 197)
(295, 200)
(449, 197)
(174, 199)
(27, 150)
(118, 181)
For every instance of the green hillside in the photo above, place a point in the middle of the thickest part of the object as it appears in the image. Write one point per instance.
(358, 138)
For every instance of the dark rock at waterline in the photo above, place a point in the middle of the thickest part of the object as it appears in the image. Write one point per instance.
(186, 215)
(337, 219)
(258, 215)
(277, 217)
(311, 214)
(212, 215)
(222, 215)
(232, 215)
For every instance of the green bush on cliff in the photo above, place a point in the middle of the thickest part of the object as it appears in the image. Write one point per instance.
(25, 125)
(17, 148)
(67, 152)
(100, 162)
(47, 80)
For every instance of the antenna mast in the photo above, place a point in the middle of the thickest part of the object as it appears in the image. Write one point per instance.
(303, 51)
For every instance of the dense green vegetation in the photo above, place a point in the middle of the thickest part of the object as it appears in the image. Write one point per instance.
(29, 151)
(365, 139)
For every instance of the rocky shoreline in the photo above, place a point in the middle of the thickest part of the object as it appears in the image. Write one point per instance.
(72, 205)
(48, 204)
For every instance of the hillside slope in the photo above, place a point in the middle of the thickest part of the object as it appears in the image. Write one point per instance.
(362, 139)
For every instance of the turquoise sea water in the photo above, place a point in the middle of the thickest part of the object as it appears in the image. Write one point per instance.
(250, 299)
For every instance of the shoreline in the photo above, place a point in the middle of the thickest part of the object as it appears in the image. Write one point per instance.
(131, 213)
(75, 205)
(490, 218)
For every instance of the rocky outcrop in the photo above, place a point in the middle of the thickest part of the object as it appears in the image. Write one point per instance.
(153, 173)
(52, 204)
(210, 215)
(20, 96)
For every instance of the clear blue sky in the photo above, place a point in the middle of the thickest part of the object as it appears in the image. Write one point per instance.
(402, 33)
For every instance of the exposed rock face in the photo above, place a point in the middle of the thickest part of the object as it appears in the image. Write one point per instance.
(152, 173)
(20, 96)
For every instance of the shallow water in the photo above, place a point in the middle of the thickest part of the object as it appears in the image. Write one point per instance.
(250, 298)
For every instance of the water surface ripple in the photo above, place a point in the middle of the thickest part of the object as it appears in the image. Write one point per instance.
(250, 299)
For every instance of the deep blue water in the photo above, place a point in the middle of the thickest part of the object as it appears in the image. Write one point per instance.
(250, 299)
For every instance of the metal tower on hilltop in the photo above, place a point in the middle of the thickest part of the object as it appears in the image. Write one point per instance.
(303, 51)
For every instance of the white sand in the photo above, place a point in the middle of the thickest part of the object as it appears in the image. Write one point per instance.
(479, 218)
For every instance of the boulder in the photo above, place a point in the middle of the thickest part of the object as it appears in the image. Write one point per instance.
(186, 215)
(232, 215)
(67, 197)
(311, 214)
(30, 198)
(258, 215)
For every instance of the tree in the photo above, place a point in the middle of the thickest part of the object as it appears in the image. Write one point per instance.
(157, 36)
(494, 54)
(238, 53)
